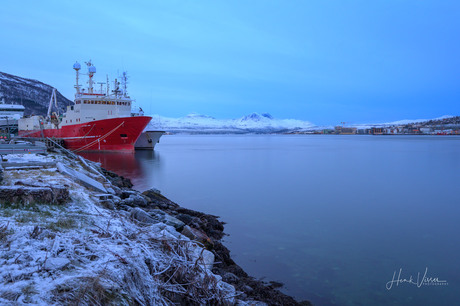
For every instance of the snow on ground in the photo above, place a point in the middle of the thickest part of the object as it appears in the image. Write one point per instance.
(81, 252)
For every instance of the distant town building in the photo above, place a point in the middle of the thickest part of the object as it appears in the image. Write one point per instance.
(345, 130)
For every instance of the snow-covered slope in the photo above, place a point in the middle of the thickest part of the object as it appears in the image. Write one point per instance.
(33, 94)
(403, 122)
(253, 123)
(76, 250)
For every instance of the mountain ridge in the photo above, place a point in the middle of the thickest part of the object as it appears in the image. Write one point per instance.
(252, 123)
(32, 94)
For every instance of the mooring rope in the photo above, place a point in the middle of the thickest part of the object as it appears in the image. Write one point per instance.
(99, 139)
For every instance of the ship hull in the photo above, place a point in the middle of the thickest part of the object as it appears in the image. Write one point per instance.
(148, 139)
(110, 135)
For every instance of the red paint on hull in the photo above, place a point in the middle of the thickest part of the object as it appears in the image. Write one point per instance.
(115, 135)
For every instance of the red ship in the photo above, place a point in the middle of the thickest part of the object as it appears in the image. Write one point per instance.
(96, 122)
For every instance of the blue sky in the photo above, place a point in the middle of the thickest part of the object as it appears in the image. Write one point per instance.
(321, 61)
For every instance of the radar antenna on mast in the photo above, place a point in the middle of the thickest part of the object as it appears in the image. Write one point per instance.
(91, 72)
(77, 67)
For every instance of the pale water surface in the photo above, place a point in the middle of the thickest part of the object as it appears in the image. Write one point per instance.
(332, 217)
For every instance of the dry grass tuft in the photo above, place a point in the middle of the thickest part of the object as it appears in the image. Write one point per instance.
(88, 291)
(62, 223)
(4, 231)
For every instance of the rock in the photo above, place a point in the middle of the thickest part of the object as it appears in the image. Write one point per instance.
(229, 277)
(60, 193)
(109, 204)
(32, 195)
(204, 257)
(246, 288)
(81, 178)
(207, 223)
(167, 219)
(141, 216)
(187, 219)
(197, 235)
(157, 199)
(176, 223)
(115, 179)
(55, 263)
(152, 193)
(127, 193)
(135, 200)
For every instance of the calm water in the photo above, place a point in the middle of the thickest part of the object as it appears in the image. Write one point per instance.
(332, 217)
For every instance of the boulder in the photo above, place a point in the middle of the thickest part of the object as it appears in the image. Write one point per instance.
(167, 219)
(135, 200)
(197, 235)
(229, 277)
(55, 263)
(81, 178)
(159, 200)
(60, 193)
(204, 257)
(31, 195)
(141, 216)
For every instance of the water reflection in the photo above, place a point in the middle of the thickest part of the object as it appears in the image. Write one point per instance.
(138, 166)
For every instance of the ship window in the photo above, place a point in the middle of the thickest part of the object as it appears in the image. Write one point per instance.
(123, 136)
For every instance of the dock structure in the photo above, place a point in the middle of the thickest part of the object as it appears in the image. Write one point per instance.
(18, 148)
(20, 145)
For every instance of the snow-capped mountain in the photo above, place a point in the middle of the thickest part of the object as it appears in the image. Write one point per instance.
(33, 94)
(252, 123)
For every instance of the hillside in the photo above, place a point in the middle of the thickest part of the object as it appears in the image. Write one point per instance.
(33, 94)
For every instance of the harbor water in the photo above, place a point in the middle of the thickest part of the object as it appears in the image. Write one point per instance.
(337, 219)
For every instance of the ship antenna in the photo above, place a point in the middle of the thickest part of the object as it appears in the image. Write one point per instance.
(101, 83)
(124, 81)
(77, 67)
(108, 85)
(91, 72)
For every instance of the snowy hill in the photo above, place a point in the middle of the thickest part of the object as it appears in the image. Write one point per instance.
(33, 94)
(446, 119)
(252, 123)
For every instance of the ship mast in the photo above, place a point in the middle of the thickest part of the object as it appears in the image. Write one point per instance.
(124, 83)
(77, 67)
(91, 72)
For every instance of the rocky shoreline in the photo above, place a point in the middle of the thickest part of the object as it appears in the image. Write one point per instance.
(39, 242)
(208, 230)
